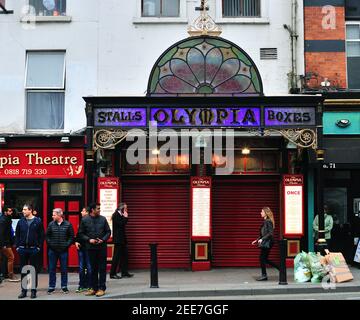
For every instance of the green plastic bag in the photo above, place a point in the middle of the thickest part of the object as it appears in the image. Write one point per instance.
(317, 269)
(302, 271)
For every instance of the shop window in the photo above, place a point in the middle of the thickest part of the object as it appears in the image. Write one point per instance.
(241, 8)
(270, 162)
(66, 189)
(48, 7)
(160, 8)
(336, 199)
(45, 90)
(178, 164)
(353, 55)
(255, 162)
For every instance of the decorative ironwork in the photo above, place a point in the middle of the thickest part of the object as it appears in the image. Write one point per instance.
(303, 138)
(108, 139)
(204, 24)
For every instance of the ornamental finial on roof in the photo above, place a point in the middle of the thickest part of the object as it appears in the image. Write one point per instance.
(204, 24)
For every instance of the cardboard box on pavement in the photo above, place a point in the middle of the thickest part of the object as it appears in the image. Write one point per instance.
(339, 270)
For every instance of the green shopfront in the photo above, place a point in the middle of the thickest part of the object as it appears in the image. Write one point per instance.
(342, 169)
(198, 157)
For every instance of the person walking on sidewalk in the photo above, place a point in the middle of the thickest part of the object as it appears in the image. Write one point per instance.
(59, 237)
(29, 238)
(265, 241)
(95, 231)
(84, 261)
(6, 242)
(119, 221)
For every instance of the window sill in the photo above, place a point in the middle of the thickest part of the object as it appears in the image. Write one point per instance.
(242, 20)
(41, 19)
(155, 20)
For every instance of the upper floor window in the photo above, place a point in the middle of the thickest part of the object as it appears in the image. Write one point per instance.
(353, 55)
(49, 7)
(45, 90)
(160, 8)
(241, 8)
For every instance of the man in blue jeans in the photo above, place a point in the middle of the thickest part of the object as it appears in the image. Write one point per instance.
(29, 237)
(59, 237)
(84, 261)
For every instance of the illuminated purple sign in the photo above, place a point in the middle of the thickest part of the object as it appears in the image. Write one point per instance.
(289, 117)
(120, 117)
(206, 117)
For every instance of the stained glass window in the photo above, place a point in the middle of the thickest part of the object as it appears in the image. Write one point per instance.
(205, 66)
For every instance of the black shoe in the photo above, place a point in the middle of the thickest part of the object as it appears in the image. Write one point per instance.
(65, 290)
(22, 295)
(50, 290)
(127, 275)
(33, 295)
(262, 278)
(114, 276)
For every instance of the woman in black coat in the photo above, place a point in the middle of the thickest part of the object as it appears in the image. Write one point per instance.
(119, 221)
(265, 241)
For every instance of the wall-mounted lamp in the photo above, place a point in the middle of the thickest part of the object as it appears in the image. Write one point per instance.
(2, 140)
(343, 123)
(325, 83)
(245, 151)
(155, 152)
(65, 140)
(320, 153)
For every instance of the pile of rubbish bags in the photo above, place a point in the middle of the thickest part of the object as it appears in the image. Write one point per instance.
(309, 267)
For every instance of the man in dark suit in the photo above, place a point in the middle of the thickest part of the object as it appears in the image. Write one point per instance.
(119, 221)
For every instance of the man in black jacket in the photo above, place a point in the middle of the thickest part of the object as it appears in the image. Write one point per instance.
(119, 221)
(6, 242)
(29, 238)
(94, 230)
(59, 237)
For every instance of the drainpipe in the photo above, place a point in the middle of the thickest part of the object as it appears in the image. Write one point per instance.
(293, 38)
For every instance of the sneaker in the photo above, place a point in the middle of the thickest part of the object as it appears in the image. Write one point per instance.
(127, 275)
(13, 278)
(50, 290)
(262, 278)
(65, 290)
(90, 292)
(79, 290)
(100, 293)
(114, 276)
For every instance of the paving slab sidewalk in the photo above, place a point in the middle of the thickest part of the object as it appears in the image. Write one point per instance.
(183, 283)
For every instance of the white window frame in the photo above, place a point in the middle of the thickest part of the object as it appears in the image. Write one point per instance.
(28, 18)
(61, 89)
(181, 19)
(347, 23)
(263, 19)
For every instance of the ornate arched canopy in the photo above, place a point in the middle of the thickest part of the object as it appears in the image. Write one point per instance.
(204, 65)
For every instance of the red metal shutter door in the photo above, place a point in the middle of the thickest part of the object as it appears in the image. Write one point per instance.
(158, 212)
(236, 220)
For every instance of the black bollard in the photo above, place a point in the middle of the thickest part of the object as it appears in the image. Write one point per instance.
(283, 253)
(153, 266)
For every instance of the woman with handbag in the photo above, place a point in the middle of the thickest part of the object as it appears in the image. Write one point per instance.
(265, 241)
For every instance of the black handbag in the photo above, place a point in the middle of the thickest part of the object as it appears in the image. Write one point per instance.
(266, 244)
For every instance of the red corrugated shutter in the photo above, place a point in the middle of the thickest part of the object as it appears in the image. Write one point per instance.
(159, 212)
(236, 220)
